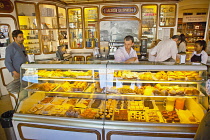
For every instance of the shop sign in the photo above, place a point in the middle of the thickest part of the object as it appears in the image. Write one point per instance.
(6, 6)
(120, 10)
(195, 18)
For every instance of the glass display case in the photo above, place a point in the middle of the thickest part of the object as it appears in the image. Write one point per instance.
(27, 19)
(75, 28)
(49, 28)
(167, 15)
(91, 27)
(149, 22)
(126, 96)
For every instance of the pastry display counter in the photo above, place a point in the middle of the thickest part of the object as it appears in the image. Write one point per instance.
(108, 100)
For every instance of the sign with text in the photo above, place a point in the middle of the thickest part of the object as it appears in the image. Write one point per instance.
(120, 9)
(6, 6)
(194, 18)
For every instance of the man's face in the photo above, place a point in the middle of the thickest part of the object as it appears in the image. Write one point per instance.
(19, 39)
(128, 44)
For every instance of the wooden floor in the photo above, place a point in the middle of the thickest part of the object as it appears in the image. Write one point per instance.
(5, 105)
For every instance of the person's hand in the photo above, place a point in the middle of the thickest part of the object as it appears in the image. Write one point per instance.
(16, 75)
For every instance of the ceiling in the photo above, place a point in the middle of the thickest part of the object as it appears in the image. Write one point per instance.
(109, 1)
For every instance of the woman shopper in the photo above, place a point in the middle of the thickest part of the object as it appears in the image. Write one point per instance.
(182, 44)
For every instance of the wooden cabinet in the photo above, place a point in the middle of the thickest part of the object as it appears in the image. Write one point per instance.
(43, 25)
(83, 36)
(91, 26)
(75, 28)
(62, 31)
(49, 28)
(27, 20)
(167, 15)
(149, 22)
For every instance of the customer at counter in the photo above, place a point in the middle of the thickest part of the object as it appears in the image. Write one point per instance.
(166, 50)
(60, 52)
(182, 44)
(199, 55)
(126, 53)
(15, 54)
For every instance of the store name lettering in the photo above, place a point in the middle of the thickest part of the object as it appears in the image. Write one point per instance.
(196, 18)
(119, 10)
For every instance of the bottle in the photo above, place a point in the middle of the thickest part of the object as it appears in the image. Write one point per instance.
(96, 52)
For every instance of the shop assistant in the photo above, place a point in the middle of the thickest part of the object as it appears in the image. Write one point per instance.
(15, 54)
(199, 55)
(126, 53)
(166, 50)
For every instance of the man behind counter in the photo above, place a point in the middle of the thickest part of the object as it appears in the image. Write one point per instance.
(126, 53)
(166, 50)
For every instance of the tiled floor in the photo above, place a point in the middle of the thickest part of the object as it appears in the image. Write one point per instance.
(5, 105)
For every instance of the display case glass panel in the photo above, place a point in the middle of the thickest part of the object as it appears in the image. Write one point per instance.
(50, 40)
(91, 27)
(167, 15)
(72, 91)
(27, 19)
(155, 93)
(149, 22)
(48, 16)
(75, 28)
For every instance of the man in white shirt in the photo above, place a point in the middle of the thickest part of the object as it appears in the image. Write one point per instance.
(126, 53)
(166, 50)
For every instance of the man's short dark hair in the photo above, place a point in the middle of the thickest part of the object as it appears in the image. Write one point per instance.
(128, 38)
(175, 36)
(15, 33)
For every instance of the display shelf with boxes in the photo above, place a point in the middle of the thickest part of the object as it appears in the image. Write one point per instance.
(195, 31)
(49, 28)
(27, 19)
(149, 22)
(48, 16)
(62, 33)
(91, 27)
(167, 15)
(126, 96)
(75, 28)
(49, 40)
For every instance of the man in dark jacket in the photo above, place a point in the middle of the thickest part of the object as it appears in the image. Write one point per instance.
(15, 54)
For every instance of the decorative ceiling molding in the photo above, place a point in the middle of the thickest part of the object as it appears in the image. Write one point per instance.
(111, 1)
